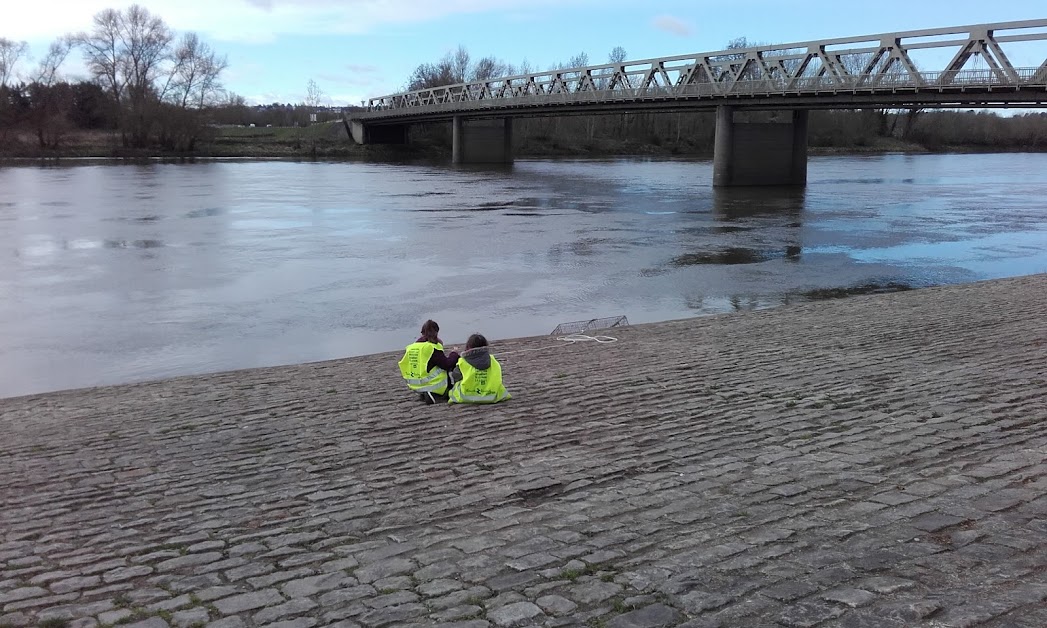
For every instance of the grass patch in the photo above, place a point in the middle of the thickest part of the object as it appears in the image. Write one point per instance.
(588, 570)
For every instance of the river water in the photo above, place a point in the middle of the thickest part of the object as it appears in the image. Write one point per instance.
(117, 273)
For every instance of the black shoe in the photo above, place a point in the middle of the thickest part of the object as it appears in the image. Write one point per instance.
(427, 398)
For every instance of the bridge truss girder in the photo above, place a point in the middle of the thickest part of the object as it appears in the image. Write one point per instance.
(831, 69)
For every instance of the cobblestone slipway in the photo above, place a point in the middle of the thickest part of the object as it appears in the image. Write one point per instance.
(874, 461)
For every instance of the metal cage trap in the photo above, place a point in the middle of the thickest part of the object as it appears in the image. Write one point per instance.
(578, 327)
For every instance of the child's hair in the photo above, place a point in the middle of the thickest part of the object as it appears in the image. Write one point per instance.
(431, 331)
(476, 340)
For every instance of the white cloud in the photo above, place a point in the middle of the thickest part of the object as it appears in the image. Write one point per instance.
(363, 69)
(255, 20)
(673, 25)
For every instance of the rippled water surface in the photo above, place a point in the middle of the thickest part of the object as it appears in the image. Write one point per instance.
(117, 273)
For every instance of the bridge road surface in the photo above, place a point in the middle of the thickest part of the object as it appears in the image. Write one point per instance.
(873, 461)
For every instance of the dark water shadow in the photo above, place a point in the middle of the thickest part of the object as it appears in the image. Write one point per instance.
(728, 256)
(205, 212)
(133, 244)
(733, 255)
(484, 168)
(822, 294)
(738, 203)
(772, 214)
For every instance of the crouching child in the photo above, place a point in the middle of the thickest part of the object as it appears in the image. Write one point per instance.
(478, 376)
(425, 367)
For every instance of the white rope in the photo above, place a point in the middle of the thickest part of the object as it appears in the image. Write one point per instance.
(569, 339)
(573, 338)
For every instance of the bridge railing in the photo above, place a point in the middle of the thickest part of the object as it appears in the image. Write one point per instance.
(865, 83)
(871, 64)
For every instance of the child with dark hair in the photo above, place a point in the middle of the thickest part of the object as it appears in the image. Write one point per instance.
(424, 365)
(478, 375)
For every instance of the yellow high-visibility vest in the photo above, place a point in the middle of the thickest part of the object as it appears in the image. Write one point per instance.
(479, 386)
(414, 366)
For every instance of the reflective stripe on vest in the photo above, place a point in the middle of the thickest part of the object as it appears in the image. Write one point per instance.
(428, 379)
(478, 398)
(479, 386)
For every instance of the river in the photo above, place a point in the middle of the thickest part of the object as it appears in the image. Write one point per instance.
(117, 273)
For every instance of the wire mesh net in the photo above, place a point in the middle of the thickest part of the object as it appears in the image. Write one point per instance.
(577, 327)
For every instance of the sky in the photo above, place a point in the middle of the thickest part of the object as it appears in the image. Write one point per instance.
(357, 49)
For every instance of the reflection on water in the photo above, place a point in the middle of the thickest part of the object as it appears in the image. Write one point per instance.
(779, 202)
(137, 244)
(729, 255)
(118, 273)
(747, 226)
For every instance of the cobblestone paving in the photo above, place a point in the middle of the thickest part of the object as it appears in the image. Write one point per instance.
(876, 461)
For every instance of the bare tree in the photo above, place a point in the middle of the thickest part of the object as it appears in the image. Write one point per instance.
(488, 68)
(460, 64)
(194, 78)
(11, 52)
(146, 39)
(313, 95)
(50, 100)
(579, 60)
(456, 67)
(429, 75)
(126, 52)
(103, 52)
(617, 55)
(47, 70)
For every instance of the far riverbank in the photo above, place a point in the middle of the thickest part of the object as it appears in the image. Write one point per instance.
(330, 141)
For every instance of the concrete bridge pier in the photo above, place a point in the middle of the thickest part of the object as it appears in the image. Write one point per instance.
(481, 141)
(759, 153)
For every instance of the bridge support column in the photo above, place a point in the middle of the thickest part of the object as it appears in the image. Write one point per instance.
(377, 134)
(481, 141)
(770, 153)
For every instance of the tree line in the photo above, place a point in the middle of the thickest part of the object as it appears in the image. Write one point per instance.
(146, 84)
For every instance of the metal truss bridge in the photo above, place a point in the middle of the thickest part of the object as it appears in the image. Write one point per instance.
(985, 65)
(968, 68)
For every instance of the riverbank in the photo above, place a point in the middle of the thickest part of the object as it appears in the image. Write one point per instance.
(872, 461)
(330, 141)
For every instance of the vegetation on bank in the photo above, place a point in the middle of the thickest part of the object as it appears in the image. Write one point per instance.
(682, 135)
